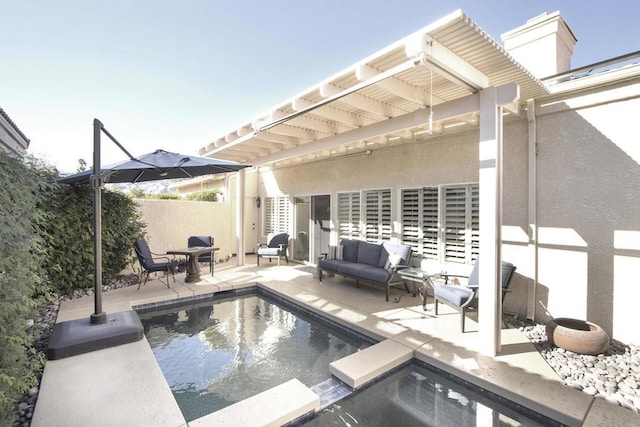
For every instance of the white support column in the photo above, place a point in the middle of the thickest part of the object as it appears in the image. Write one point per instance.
(490, 156)
(240, 192)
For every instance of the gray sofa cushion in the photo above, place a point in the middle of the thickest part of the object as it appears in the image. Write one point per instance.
(331, 264)
(376, 274)
(351, 268)
(454, 294)
(369, 253)
(350, 250)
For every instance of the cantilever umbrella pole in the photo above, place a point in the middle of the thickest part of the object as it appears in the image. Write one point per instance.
(98, 317)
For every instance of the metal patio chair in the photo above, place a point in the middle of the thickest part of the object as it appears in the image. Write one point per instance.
(152, 263)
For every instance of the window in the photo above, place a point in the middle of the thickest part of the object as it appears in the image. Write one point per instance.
(377, 215)
(420, 221)
(277, 216)
(461, 221)
(348, 215)
(442, 223)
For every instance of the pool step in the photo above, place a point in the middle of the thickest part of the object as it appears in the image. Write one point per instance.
(361, 367)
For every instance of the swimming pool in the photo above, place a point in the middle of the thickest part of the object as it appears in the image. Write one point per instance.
(219, 352)
(416, 395)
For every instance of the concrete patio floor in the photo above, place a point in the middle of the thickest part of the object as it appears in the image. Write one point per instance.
(123, 385)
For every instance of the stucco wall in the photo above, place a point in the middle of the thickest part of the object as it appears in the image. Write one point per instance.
(171, 222)
(587, 201)
(588, 214)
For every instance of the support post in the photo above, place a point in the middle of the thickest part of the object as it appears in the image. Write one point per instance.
(490, 176)
(240, 192)
(98, 317)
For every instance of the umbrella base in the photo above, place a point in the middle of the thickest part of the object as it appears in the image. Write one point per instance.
(81, 336)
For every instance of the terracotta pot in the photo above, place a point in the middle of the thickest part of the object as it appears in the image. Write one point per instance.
(578, 336)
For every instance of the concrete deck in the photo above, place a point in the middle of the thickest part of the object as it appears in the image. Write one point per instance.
(123, 385)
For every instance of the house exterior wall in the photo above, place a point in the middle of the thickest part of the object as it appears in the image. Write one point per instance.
(587, 197)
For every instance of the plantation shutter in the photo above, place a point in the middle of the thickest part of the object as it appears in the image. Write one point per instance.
(461, 223)
(349, 215)
(430, 228)
(377, 210)
(420, 221)
(276, 214)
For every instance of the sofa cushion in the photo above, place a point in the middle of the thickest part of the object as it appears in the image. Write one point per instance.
(330, 264)
(351, 268)
(393, 248)
(350, 249)
(369, 253)
(375, 274)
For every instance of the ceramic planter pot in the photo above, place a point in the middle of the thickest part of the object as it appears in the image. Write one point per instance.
(578, 336)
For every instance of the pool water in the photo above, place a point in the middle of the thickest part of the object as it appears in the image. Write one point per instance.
(216, 353)
(416, 395)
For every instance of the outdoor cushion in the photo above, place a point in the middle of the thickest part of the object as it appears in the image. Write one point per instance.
(335, 252)
(350, 250)
(351, 268)
(331, 264)
(269, 251)
(393, 248)
(375, 274)
(369, 253)
(454, 294)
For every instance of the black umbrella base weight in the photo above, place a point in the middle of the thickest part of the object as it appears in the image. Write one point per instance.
(82, 336)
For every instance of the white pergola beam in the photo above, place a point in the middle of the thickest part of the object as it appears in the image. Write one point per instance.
(447, 64)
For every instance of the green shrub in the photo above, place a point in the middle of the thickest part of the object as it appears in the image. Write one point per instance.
(204, 196)
(22, 184)
(163, 196)
(69, 236)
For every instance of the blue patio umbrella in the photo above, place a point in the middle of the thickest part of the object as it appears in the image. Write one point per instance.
(156, 166)
(70, 338)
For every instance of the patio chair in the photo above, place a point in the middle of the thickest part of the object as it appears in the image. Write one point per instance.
(276, 246)
(152, 263)
(464, 298)
(202, 241)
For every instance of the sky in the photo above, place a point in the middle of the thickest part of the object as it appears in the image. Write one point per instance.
(177, 75)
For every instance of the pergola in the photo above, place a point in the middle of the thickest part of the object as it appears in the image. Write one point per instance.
(448, 77)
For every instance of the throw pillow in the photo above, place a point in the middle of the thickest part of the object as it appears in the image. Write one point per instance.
(393, 261)
(335, 252)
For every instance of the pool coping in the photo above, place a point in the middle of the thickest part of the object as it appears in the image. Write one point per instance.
(384, 322)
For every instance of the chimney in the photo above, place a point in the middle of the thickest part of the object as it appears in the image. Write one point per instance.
(543, 45)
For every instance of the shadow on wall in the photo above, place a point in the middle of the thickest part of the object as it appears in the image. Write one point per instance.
(588, 206)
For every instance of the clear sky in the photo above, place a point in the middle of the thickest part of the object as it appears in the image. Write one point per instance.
(177, 75)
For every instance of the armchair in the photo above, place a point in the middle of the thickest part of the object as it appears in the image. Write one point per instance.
(464, 298)
(276, 246)
(149, 263)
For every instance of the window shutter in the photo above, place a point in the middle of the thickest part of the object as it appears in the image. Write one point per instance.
(430, 227)
(377, 221)
(420, 221)
(461, 223)
(277, 215)
(349, 215)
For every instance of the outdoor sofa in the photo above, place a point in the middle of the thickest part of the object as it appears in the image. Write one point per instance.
(375, 263)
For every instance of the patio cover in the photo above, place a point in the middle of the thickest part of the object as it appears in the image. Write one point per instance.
(448, 77)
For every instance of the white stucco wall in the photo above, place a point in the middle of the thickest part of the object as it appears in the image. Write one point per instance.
(587, 202)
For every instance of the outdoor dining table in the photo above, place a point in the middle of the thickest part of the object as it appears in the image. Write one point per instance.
(192, 254)
(424, 278)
